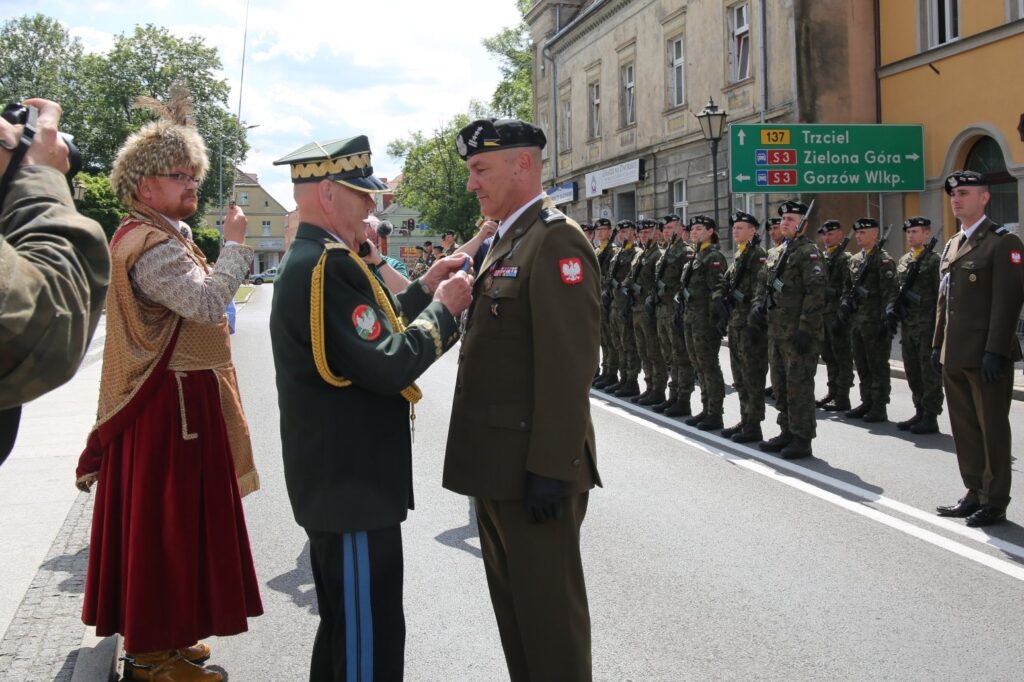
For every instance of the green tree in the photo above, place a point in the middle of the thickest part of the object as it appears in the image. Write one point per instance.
(513, 48)
(208, 241)
(434, 179)
(100, 203)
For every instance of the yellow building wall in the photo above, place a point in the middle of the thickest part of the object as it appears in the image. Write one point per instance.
(976, 17)
(897, 21)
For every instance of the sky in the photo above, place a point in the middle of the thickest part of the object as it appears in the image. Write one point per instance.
(319, 70)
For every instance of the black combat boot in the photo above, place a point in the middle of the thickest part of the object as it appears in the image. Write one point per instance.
(776, 444)
(711, 422)
(876, 415)
(769, 393)
(604, 380)
(751, 433)
(798, 448)
(859, 411)
(840, 401)
(907, 423)
(629, 388)
(665, 404)
(680, 408)
(927, 424)
(827, 399)
(657, 397)
(696, 419)
(616, 384)
(643, 396)
(732, 430)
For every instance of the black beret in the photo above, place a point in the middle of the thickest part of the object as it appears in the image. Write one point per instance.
(916, 221)
(671, 218)
(865, 224)
(586, 227)
(627, 225)
(771, 221)
(830, 226)
(648, 224)
(793, 207)
(448, 233)
(964, 177)
(602, 222)
(491, 134)
(706, 221)
(744, 217)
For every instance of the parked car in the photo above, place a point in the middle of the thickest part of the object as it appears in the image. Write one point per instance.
(265, 276)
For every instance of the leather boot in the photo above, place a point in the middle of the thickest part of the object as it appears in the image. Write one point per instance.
(681, 407)
(907, 423)
(927, 424)
(769, 393)
(798, 448)
(840, 402)
(696, 419)
(198, 653)
(643, 396)
(876, 415)
(616, 384)
(859, 411)
(751, 433)
(665, 404)
(777, 443)
(711, 422)
(602, 380)
(168, 666)
(826, 400)
(656, 397)
(732, 430)
(630, 388)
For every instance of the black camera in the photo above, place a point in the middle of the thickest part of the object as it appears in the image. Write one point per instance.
(23, 114)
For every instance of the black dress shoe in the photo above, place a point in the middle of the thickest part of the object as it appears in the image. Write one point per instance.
(962, 509)
(987, 515)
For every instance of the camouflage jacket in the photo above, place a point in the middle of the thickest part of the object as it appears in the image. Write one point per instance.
(922, 297)
(742, 292)
(622, 267)
(798, 291)
(877, 288)
(646, 274)
(838, 266)
(701, 277)
(669, 272)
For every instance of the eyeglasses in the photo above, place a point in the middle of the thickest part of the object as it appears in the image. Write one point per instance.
(179, 177)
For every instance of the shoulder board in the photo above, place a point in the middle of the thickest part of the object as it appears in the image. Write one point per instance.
(334, 246)
(1000, 230)
(551, 215)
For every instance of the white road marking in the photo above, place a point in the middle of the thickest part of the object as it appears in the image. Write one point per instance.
(626, 410)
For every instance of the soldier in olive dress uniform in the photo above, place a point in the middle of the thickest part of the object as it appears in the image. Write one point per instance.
(836, 351)
(670, 319)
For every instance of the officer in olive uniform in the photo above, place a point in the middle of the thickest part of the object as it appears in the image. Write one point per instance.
(606, 251)
(869, 333)
(790, 300)
(975, 344)
(836, 351)
(748, 346)
(913, 308)
(521, 439)
(620, 315)
(645, 321)
(701, 277)
(773, 235)
(345, 390)
(667, 275)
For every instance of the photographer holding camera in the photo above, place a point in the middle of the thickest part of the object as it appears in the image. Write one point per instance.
(54, 264)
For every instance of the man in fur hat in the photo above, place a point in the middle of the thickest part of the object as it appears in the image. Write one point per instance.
(169, 559)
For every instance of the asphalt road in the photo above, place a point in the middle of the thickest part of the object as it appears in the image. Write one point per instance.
(703, 560)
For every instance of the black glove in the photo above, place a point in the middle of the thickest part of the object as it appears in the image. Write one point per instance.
(543, 497)
(883, 329)
(991, 367)
(801, 341)
(722, 310)
(759, 315)
(937, 360)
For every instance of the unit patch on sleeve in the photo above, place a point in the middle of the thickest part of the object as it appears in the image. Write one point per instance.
(364, 319)
(1015, 257)
(571, 270)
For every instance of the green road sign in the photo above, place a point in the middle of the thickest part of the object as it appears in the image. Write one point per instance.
(826, 158)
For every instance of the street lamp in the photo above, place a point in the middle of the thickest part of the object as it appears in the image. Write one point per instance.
(77, 190)
(712, 121)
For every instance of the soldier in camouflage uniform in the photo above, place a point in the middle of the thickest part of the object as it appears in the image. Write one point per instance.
(915, 309)
(835, 351)
(774, 232)
(667, 276)
(790, 300)
(424, 262)
(620, 315)
(645, 325)
(701, 277)
(606, 251)
(869, 333)
(748, 347)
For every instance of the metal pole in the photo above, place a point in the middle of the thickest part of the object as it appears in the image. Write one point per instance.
(220, 180)
(714, 174)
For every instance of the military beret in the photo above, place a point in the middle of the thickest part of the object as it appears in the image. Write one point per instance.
(602, 222)
(671, 218)
(626, 225)
(793, 207)
(771, 221)
(492, 134)
(865, 224)
(427, 243)
(916, 221)
(706, 221)
(586, 227)
(346, 162)
(661, 224)
(648, 224)
(438, 247)
(744, 217)
(448, 233)
(830, 226)
(964, 178)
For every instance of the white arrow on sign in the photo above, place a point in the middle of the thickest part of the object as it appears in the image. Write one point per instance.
(913, 157)
(742, 178)
(742, 135)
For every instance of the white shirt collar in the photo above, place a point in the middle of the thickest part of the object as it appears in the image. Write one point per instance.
(970, 230)
(507, 223)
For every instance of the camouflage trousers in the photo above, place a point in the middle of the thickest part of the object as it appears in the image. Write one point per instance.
(673, 349)
(838, 357)
(748, 357)
(651, 358)
(925, 383)
(624, 340)
(773, 371)
(871, 357)
(794, 394)
(609, 355)
(703, 342)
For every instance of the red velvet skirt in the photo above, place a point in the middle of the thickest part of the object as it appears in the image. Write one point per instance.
(169, 559)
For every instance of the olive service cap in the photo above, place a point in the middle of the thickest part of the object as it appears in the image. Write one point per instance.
(793, 207)
(346, 162)
(706, 221)
(602, 222)
(744, 217)
(916, 221)
(830, 226)
(627, 225)
(492, 134)
(865, 224)
(964, 177)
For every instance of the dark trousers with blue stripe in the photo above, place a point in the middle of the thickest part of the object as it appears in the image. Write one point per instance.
(358, 579)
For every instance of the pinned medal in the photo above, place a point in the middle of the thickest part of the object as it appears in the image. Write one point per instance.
(488, 281)
(571, 270)
(973, 277)
(366, 324)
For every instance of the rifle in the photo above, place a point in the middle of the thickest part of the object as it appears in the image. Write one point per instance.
(732, 294)
(897, 311)
(852, 297)
(775, 283)
(609, 290)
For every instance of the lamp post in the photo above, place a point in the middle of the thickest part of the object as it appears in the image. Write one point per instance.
(712, 122)
(77, 190)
